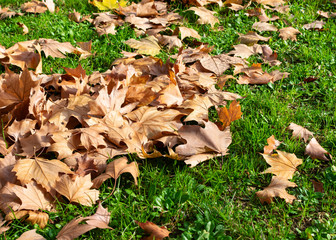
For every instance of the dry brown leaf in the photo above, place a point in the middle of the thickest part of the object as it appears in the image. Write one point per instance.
(24, 28)
(314, 25)
(115, 169)
(170, 41)
(188, 32)
(300, 132)
(77, 190)
(154, 230)
(273, 3)
(273, 144)
(251, 38)
(204, 140)
(45, 172)
(277, 188)
(154, 123)
(215, 64)
(75, 228)
(289, 33)
(316, 151)
(6, 13)
(200, 108)
(6, 167)
(282, 164)
(2, 227)
(318, 186)
(326, 14)
(262, 26)
(148, 45)
(31, 235)
(205, 16)
(244, 51)
(33, 197)
(34, 7)
(228, 115)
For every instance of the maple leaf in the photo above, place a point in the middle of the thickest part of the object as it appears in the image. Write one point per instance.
(314, 25)
(75, 228)
(282, 164)
(15, 89)
(251, 38)
(300, 132)
(316, 151)
(108, 4)
(262, 26)
(272, 145)
(33, 197)
(205, 16)
(148, 45)
(204, 140)
(215, 64)
(228, 115)
(188, 32)
(154, 230)
(277, 188)
(31, 235)
(244, 51)
(289, 33)
(115, 168)
(45, 172)
(77, 190)
(200, 106)
(154, 123)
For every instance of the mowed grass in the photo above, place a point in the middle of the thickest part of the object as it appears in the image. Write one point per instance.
(216, 199)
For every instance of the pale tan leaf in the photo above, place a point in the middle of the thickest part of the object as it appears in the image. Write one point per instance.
(6, 167)
(24, 28)
(251, 38)
(289, 33)
(273, 3)
(314, 25)
(316, 151)
(188, 32)
(300, 132)
(277, 188)
(31, 235)
(200, 106)
(45, 172)
(282, 164)
(77, 190)
(205, 16)
(262, 26)
(148, 45)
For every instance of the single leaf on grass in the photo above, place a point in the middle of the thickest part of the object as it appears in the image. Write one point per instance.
(188, 32)
(273, 144)
(115, 168)
(300, 132)
(262, 26)
(277, 188)
(316, 151)
(205, 16)
(33, 197)
(273, 3)
(24, 28)
(228, 115)
(282, 164)
(156, 232)
(251, 38)
(34, 217)
(45, 172)
(34, 7)
(148, 45)
(289, 33)
(77, 190)
(314, 25)
(244, 51)
(75, 228)
(30, 235)
(318, 186)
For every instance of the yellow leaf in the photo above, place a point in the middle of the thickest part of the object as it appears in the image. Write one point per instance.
(108, 4)
(148, 45)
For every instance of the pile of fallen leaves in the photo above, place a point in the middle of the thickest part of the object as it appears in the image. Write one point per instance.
(59, 130)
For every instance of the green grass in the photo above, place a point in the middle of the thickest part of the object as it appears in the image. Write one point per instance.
(216, 199)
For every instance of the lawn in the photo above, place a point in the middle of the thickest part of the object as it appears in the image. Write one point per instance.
(217, 198)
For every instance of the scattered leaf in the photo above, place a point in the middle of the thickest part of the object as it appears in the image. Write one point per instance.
(316, 151)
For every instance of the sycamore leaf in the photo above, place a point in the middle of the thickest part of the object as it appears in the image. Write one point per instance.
(188, 32)
(273, 3)
(215, 64)
(77, 190)
(300, 132)
(244, 51)
(31, 235)
(251, 38)
(34, 7)
(115, 169)
(6, 167)
(154, 230)
(34, 217)
(262, 26)
(2, 227)
(75, 228)
(204, 140)
(289, 33)
(316, 151)
(282, 164)
(33, 197)
(314, 25)
(272, 145)
(45, 172)
(148, 45)
(277, 188)
(154, 123)
(200, 106)
(205, 16)
(228, 115)
(108, 4)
